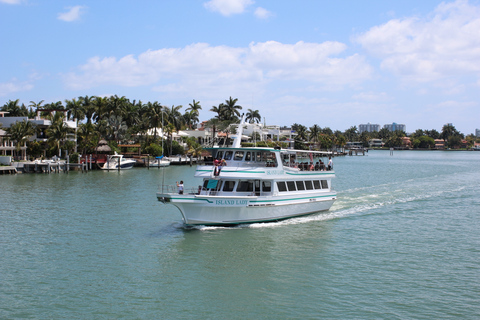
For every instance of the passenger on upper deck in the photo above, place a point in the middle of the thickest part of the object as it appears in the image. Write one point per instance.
(218, 168)
(216, 163)
(330, 164)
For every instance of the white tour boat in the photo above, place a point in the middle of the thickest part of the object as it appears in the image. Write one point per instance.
(255, 185)
(118, 162)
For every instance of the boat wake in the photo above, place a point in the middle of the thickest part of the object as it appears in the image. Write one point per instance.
(366, 200)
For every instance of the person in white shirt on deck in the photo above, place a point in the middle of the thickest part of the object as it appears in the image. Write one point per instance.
(180, 187)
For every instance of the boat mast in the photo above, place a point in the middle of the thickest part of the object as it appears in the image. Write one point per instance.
(238, 138)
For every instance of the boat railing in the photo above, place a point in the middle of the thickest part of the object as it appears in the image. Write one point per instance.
(170, 188)
(248, 164)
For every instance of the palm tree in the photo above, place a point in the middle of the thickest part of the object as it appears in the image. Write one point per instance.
(75, 112)
(58, 130)
(100, 104)
(352, 133)
(14, 110)
(253, 116)
(213, 123)
(301, 135)
(169, 129)
(218, 110)
(87, 137)
(155, 113)
(34, 105)
(314, 133)
(19, 132)
(384, 134)
(175, 117)
(194, 111)
(132, 114)
(231, 110)
(116, 128)
(54, 105)
(448, 131)
(190, 118)
(115, 105)
(88, 105)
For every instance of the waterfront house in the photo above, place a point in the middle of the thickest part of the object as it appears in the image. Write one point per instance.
(376, 143)
(439, 144)
(7, 146)
(406, 143)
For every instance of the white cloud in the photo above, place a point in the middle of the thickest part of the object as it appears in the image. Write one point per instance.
(13, 86)
(201, 65)
(446, 43)
(262, 13)
(72, 14)
(228, 7)
(371, 96)
(11, 1)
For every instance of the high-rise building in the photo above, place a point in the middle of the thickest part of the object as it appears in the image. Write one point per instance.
(369, 127)
(395, 127)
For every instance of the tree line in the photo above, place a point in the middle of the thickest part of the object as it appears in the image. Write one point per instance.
(117, 120)
(121, 121)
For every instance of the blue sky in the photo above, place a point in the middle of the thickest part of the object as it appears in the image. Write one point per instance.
(336, 64)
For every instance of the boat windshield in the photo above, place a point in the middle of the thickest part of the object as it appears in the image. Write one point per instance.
(304, 161)
(247, 158)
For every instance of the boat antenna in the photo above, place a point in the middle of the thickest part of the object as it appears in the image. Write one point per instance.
(163, 169)
(238, 138)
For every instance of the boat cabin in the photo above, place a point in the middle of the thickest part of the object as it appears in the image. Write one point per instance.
(303, 160)
(247, 157)
(257, 187)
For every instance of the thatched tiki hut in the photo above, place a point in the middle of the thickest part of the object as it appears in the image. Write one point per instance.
(101, 151)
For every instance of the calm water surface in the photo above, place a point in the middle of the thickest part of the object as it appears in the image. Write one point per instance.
(401, 242)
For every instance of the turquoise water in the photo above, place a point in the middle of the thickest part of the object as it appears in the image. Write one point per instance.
(401, 242)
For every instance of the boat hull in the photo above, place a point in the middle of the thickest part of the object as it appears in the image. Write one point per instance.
(204, 210)
(161, 163)
(123, 166)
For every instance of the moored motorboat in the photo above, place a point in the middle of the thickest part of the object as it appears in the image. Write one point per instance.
(254, 185)
(118, 162)
(159, 162)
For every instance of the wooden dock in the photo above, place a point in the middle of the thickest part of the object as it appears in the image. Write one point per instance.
(8, 170)
(52, 167)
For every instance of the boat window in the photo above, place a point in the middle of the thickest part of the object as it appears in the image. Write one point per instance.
(266, 186)
(248, 156)
(324, 184)
(210, 184)
(291, 186)
(316, 184)
(259, 157)
(228, 185)
(245, 186)
(282, 186)
(300, 185)
(228, 155)
(219, 154)
(271, 159)
(309, 185)
(238, 156)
